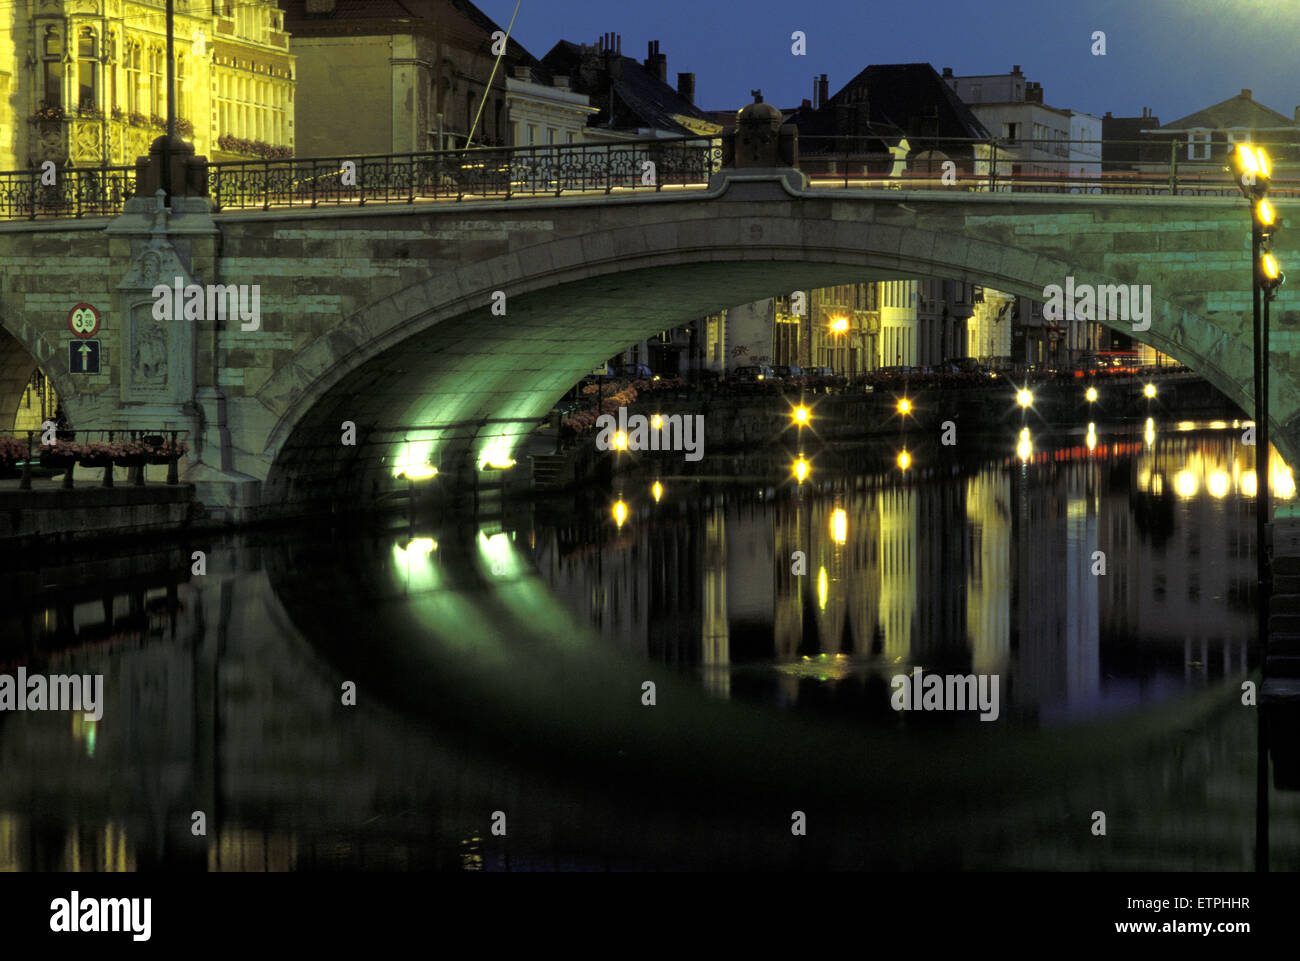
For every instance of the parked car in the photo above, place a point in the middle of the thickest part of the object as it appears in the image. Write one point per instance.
(636, 372)
(754, 377)
(789, 373)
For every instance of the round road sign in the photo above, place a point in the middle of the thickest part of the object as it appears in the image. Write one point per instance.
(83, 320)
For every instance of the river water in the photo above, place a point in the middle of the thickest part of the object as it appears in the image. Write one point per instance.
(677, 673)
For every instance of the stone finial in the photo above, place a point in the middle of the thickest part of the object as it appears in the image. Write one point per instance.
(759, 139)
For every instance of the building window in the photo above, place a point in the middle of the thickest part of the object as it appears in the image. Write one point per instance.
(1198, 145)
(87, 71)
(157, 92)
(133, 79)
(1009, 131)
(182, 106)
(52, 68)
(532, 140)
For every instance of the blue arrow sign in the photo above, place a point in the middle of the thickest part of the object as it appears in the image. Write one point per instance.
(83, 357)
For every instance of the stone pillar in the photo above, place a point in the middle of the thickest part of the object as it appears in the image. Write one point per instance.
(759, 144)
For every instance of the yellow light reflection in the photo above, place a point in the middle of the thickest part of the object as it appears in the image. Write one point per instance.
(657, 491)
(904, 406)
(421, 473)
(1024, 447)
(1249, 484)
(413, 458)
(1217, 425)
(1149, 391)
(904, 459)
(1187, 425)
(801, 415)
(802, 469)
(839, 525)
(1024, 398)
(1150, 433)
(656, 421)
(1185, 483)
(1282, 482)
(1092, 436)
(1158, 484)
(412, 563)
(620, 513)
(822, 588)
(1091, 394)
(496, 455)
(1217, 484)
(620, 440)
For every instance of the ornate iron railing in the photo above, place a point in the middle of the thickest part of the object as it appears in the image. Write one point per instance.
(1014, 166)
(1153, 168)
(474, 173)
(87, 192)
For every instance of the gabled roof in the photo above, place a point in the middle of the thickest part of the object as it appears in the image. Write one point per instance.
(297, 21)
(903, 101)
(904, 93)
(1238, 111)
(641, 99)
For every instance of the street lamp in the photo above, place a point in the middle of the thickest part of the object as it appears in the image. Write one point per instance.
(1250, 165)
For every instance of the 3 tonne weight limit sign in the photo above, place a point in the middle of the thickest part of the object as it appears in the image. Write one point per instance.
(83, 320)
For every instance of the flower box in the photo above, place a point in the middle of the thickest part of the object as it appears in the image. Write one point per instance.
(57, 460)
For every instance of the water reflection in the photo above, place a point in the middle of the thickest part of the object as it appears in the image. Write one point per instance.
(1095, 576)
(500, 666)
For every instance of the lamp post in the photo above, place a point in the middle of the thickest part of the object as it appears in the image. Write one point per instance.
(1250, 165)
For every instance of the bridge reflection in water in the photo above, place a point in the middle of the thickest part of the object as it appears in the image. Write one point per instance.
(500, 668)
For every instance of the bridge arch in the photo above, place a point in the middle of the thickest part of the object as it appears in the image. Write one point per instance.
(433, 353)
(24, 349)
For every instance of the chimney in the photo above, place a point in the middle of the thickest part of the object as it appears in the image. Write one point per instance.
(656, 63)
(823, 91)
(523, 72)
(686, 89)
(1108, 117)
(1245, 94)
(1015, 70)
(947, 72)
(807, 105)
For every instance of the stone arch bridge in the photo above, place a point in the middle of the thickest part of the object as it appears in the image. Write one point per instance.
(381, 315)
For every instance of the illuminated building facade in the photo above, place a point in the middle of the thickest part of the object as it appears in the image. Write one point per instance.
(86, 82)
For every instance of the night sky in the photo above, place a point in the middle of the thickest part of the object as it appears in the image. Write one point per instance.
(1175, 56)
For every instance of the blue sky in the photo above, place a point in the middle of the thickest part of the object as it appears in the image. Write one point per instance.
(1175, 56)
